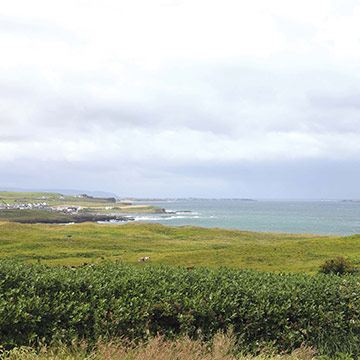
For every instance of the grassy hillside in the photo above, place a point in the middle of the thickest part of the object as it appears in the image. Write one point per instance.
(174, 246)
(15, 196)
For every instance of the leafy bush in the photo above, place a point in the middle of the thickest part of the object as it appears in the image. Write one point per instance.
(285, 311)
(338, 266)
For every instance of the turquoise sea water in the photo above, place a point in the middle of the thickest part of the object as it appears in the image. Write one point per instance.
(316, 217)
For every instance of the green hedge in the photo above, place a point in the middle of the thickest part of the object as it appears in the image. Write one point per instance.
(40, 303)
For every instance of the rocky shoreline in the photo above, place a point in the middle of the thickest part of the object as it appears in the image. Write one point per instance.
(49, 217)
(75, 219)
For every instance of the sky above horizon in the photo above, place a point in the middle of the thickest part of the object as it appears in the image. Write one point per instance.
(172, 98)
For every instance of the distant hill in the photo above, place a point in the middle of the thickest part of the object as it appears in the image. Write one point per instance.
(62, 191)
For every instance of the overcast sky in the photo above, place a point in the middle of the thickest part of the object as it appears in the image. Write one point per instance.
(203, 98)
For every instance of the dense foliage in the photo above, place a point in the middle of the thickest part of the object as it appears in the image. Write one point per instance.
(338, 266)
(109, 300)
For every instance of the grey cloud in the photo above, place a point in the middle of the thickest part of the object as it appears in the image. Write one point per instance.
(13, 90)
(12, 138)
(219, 98)
(284, 179)
(341, 101)
(226, 81)
(100, 112)
(275, 179)
(38, 28)
(336, 112)
(84, 115)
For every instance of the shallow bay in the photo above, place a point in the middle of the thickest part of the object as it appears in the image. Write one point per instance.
(313, 217)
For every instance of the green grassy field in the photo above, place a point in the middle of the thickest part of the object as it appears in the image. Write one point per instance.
(173, 246)
(12, 196)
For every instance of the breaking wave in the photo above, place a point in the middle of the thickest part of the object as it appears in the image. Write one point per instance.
(164, 218)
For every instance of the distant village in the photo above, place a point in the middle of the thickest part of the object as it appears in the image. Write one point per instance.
(44, 205)
(71, 210)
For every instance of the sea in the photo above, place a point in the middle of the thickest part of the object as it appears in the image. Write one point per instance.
(328, 217)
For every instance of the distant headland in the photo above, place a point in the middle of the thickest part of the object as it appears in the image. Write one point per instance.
(182, 199)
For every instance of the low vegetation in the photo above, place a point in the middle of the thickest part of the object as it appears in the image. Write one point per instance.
(183, 303)
(113, 300)
(338, 266)
(173, 246)
(223, 347)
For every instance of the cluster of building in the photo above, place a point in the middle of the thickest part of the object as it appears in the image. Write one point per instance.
(71, 210)
(24, 206)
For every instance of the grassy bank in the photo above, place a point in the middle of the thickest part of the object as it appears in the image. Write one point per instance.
(174, 246)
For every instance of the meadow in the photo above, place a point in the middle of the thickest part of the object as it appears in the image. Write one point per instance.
(173, 246)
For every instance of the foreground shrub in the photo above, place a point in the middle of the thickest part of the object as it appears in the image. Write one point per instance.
(284, 312)
(338, 266)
